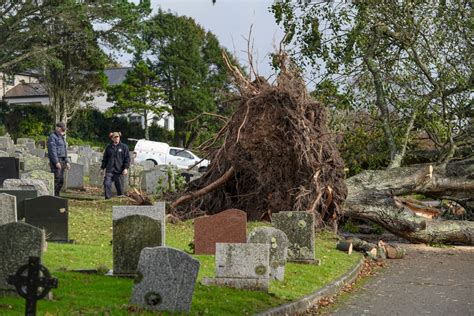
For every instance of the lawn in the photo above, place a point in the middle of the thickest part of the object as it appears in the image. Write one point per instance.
(90, 226)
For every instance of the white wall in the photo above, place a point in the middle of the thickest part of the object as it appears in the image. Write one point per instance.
(4, 87)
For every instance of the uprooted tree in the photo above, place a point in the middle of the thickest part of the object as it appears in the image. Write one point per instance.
(278, 155)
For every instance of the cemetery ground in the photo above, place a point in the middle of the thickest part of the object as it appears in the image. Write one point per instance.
(90, 226)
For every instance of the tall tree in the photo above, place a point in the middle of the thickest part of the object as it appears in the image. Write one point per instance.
(140, 94)
(189, 64)
(407, 62)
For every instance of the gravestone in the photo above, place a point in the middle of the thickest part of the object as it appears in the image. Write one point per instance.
(130, 235)
(299, 228)
(135, 175)
(95, 178)
(165, 280)
(9, 168)
(154, 180)
(21, 196)
(18, 242)
(7, 208)
(50, 213)
(156, 211)
(229, 226)
(85, 161)
(278, 243)
(5, 142)
(27, 184)
(73, 157)
(4, 154)
(147, 164)
(46, 176)
(38, 152)
(74, 177)
(243, 266)
(31, 162)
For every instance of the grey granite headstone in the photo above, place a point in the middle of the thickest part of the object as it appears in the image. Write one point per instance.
(38, 152)
(278, 243)
(147, 164)
(7, 208)
(95, 178)
(31, 162)
(4, 154)
(27, 184)
(50, 213)
(244, 266)
(299, 228)
(130, 235)
(154, 180)
(156, 211)
(5, 142)
(135, 175)
(73, 157)
(46, 176)
(18, 241)
(85, 161)
(165, 280)
(9, 168)
(74, 177)
(21, 196)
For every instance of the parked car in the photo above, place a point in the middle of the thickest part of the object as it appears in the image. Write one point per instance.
(163, 154)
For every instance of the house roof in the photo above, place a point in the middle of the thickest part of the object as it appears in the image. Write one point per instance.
(116, 75)
(25, 90)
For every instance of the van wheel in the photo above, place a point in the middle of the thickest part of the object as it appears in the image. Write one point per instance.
(152, 161)
(202, 169)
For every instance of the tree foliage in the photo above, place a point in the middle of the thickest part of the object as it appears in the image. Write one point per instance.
(140, 94)
(406, 63)
(190, 68)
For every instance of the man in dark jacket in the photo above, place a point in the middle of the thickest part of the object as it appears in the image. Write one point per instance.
(115, 163)
(57, 153)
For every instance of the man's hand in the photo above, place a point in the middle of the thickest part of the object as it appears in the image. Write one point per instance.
(125, 172)
(58, 165)
(102, 172)
(68, 166)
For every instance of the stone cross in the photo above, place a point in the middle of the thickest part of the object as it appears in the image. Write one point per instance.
(34, 285)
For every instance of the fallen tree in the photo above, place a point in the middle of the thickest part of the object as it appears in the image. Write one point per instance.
(372, 195)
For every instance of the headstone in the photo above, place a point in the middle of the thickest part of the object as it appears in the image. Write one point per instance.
(156, 211)
(154, 180)
(243, 266)
(7, 208)
(38, 152)
(4, 154)
(18, 242)
(135, 175)
(50, 213)
(130, 235)
(5, 142)
(24, 141)
(165, 280)
(74, 177)
(125, 185)
(85, 161)
(278, 243)
(229, 226)
(9, 168)
(95, 178)
(73, 157)
(46, 176)
(27, 184)
(42, 144)
(299, 228)
(147, 164)
(31, 162)
(21, 196)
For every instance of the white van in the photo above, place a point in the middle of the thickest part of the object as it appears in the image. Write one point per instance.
(164, 154)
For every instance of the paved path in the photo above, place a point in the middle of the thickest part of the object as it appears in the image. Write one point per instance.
(428, 281)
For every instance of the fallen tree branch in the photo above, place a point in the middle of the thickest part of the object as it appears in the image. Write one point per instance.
(211, 187)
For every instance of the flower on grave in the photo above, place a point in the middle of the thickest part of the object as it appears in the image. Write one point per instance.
(301, 223)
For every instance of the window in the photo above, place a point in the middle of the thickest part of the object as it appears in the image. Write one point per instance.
(173, 152)
(184, 154)
(9, 79)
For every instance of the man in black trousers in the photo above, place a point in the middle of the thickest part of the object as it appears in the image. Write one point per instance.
(115, 163)
(57, 153)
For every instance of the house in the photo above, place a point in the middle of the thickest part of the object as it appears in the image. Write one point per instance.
(25, 88)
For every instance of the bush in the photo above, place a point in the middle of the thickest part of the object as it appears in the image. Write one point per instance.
(28, 121)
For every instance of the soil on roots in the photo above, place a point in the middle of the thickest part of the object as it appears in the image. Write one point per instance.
(283, 156)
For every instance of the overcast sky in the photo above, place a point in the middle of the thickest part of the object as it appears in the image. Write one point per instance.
(230, 21)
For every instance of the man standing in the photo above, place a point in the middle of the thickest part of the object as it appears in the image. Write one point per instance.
(115, 163)
(57, 153)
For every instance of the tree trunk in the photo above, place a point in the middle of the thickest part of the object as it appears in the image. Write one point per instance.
(372, 196)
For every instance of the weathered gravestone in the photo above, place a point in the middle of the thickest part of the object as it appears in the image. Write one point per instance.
(229, 226)
(9, 168)
(74, 177)
(165, 280)
(153, 181)
(46, 176)
(147, 164)
(7, 208)
(27, 184)
(50, 213)
(5, 142)
(299, 228)
(86, 162)
(18, 242)
(134, 228)
(135, 174)
(95, 178)
(21, 196)
(30, 162)
(73, 157)
(38, 152)
(4, 154)
(242, 266)
(278, 243)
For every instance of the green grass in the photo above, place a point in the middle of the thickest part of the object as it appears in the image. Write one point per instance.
(90, 226)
